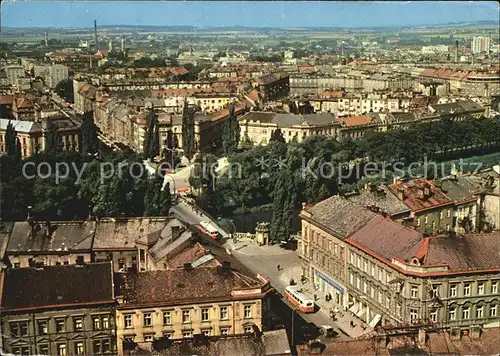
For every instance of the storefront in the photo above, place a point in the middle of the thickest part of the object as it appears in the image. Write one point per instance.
(327, 285)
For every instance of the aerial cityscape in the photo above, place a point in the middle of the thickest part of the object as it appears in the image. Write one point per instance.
(250, 178)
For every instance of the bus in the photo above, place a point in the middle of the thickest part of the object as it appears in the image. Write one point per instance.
(210, 229)
(297, 297)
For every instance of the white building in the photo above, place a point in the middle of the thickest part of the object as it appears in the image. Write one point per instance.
(480, 44)
(55, 74)
(13, 72)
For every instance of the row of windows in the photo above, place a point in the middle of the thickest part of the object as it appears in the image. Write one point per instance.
(224, 331)
(368, 289)
(465, 313)
(100, 346)
(20, 328)
(147, 318)
(466, 289)
(370, 268)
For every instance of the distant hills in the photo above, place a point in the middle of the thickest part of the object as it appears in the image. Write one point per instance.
(146, 28)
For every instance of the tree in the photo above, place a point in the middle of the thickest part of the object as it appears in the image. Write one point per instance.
(151, 147)
(12, 143)
(231, 136)
(65, 90)
(51, 138)
(157, 201)
(188, 143)
(90, 142)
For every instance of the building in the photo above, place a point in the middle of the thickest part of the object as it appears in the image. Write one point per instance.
(23, 107)
(58, 310)
(273, 86)
(13, 73)
(257, 127)
(29, 134)
(431, 209)
(410, 340)
(55, 74)
(137, 244)
(206, 300)
(267, 343)
(480, 44)
(385, 272)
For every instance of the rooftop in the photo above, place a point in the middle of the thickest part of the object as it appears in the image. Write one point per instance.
(288, 120)
(339, 215)
(179, 286)
(380, 197)
(30, 288)
(419, 194)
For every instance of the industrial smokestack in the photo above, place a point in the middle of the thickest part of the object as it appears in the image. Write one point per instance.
(123, 44)
(46, 39)
(456, 51)
(95, 34)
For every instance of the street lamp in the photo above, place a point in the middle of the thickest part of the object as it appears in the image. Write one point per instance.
(293, 322)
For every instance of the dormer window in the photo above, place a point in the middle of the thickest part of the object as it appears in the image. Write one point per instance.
(415, 261)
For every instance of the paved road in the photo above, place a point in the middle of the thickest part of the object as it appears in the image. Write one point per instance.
(180, 179)
(265, 259)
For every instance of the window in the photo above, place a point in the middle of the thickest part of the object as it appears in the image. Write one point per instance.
(433, 225)
(365, 287)
(493, 310)
(60, 327)
(187, 334)
(466, 289)
(373, 270)
(224, 331)
(106, 346)
(447, 227)
(351, 278)
(359, 262)
(61, 349)
(247, 311)
(372, 292)
(128, 321)
(42, 327)
(494, 287)
(352, 258)
(435, 291)
(426, 220)
(466, 313)
(206, 332)
(167, 318)
(453, 290)
(398, 310)
(78, 324)
(105, 322)
(97, 323)
(97, 346)
(358, 283)
(79, 348)
(381, 274)
(186, 316)
(148, 338)
(223, 313)
(204, 314)
(248, 330)
(413, 315)
(440, 215)
(434, 316)
(479, 312)
(453, 314)
(418, 221)
(167, 335)
(387, 301)
(480, 288)
(448, 213)
(366, 266)
(148, 319)
(380, 296)
(414, 291)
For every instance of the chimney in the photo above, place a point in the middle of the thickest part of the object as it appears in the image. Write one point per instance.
(427, 192)
(188, 266)
(422, 337)
(176, 232)
(456, 51)
(95, 34)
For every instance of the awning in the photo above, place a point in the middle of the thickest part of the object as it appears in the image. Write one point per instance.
(360, 312)
(375, 320)
(354, 308)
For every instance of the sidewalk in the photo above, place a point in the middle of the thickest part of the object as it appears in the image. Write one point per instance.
(342, 322)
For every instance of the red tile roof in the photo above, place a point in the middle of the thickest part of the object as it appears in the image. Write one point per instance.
(6, 99)
(350, 121)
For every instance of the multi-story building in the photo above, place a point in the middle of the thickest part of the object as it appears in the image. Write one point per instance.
(480, 44)
(257, 127)
(58, 310)
(28, 133)
(141, 244)
(273, 86)
(431, 209)
(13, 72)
(392, 274)
(179, 303)
(55, 74)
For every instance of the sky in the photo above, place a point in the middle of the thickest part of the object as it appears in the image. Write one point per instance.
(39, 13)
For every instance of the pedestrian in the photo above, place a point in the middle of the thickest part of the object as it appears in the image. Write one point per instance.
(326, 298)
(315, 297)
(352, 324)
(279, 267)
(336, 310)
(363, 326)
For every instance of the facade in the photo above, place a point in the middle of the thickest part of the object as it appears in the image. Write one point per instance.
(258, 127)
(55, 74)
(13, 72)
(212, 301)
(29, 134)
(432, 211)
(480, 44)
(74, 321)
(273, 86)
